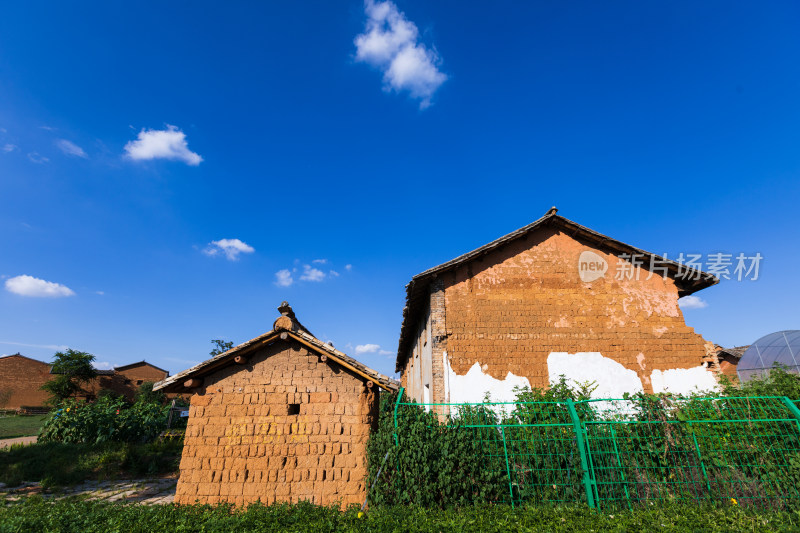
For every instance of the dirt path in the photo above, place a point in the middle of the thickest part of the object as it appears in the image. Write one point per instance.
(145, 491)
(4, 443)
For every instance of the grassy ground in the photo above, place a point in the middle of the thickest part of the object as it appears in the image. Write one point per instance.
(56, 464)
(34, 514)
(20, 425)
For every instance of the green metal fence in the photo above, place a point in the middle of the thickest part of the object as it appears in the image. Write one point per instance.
(623, 453)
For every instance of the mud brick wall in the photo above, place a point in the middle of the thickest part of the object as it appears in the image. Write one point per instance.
(511, 308)
(243, 444)
(24, 378)
(143, 373)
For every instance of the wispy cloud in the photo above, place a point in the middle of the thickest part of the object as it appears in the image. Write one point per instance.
(162, 144)
(70, 148)
(390, 43)
(320, 261)
(9, 147)
(283, 278)
(348, 267)
(56, 347)
(232, 248)
(38, 159)
(312, 274)
(102, 365)
(692, 302)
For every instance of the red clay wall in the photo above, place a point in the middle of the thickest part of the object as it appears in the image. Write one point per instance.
(242, 445)
(514, 307)
(24, 377)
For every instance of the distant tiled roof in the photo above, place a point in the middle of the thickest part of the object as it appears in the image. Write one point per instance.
(736, 352)
(24, 357)
(142, 362)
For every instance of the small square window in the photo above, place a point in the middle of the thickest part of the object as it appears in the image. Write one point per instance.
(294, 408)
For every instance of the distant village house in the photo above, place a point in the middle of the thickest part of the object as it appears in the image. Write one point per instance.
(23, 378)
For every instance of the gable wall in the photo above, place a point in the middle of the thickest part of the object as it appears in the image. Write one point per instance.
(242, 445)
(523, 309)
(24, 377)
(142, 373)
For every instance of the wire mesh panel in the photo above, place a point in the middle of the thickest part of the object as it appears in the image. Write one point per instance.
(745, 449)
(623, 453)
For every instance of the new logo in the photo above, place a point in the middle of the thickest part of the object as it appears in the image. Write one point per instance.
(591, 266)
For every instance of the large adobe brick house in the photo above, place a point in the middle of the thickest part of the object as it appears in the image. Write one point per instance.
(24, 377)
(545, 301)
(283, 417)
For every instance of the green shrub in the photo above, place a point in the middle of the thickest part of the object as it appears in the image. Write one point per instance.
(108, 419)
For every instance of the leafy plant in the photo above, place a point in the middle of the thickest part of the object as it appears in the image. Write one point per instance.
(105, 420)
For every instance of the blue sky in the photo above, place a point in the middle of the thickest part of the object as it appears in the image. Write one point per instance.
(389, 138)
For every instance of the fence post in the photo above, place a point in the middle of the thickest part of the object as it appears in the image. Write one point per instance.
(792, 407)
(579, 437)
(508, 469)
(396, 405)
(700, 458)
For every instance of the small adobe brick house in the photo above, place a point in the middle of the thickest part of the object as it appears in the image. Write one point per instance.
(283, 417)
(545, 301)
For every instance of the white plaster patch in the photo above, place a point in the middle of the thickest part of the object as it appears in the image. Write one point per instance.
(683, 380)
(473, 386)
(612, 379)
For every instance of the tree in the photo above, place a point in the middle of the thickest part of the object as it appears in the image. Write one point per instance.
(220, 346)
(146, 394)
(72, 369)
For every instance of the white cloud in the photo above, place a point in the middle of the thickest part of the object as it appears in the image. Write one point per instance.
(320, 261)
(692, 302)
(386, 352)
(99, 293)
(36, 158)
(70, 148)
(390, 43)
(29, 286)
(162, 144)
(103, 365)
(56, 347)
(367, 348)
(348, 267)
(283, 278)
(333, 274)
(9, 147)
(312, 274)
(230, 247)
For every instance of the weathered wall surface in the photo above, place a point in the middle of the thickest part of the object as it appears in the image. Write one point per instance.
(24, 378)
(514, 308)
(243, 444)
